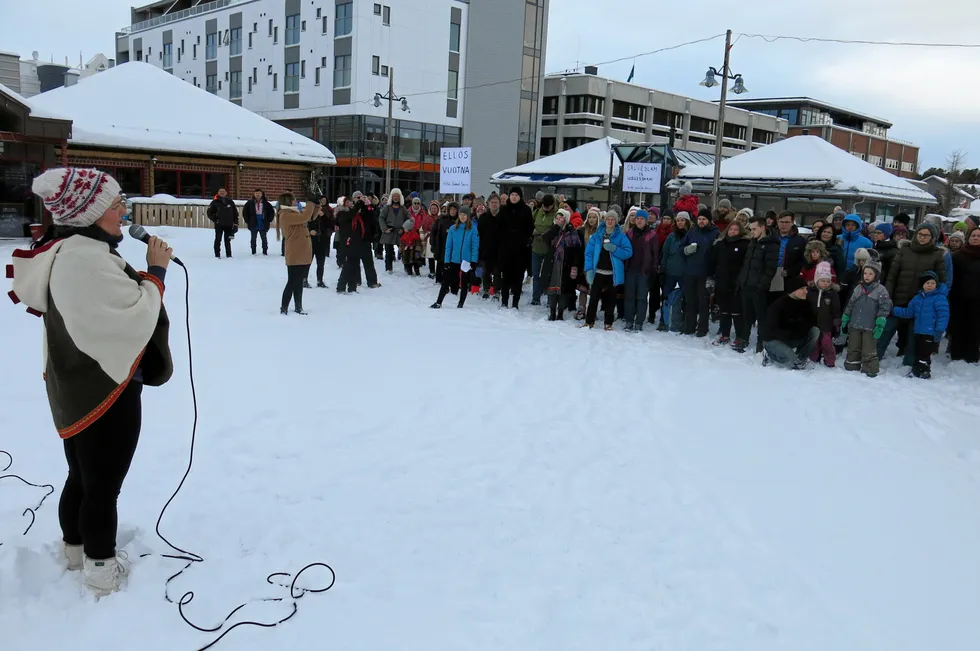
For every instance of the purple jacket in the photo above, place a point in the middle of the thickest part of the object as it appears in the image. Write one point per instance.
(646, 251)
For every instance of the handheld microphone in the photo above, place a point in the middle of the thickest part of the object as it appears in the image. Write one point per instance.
(137, 232)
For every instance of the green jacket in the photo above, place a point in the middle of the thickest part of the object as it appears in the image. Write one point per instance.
(542, 222)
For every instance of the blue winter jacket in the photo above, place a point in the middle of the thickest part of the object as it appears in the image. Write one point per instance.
(623, 252)
(696, 264)
(948, 260)
(930, 311)
(850, 242)
(462, 244)
(671, 257)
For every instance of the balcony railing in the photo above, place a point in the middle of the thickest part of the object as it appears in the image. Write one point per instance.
(180, 15)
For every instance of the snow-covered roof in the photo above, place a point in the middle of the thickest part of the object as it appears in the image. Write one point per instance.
(36, 112)
(956, 188)
(586, 162)
(139, 106)
(809, 165)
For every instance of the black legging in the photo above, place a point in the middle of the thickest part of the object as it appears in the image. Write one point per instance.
(512, 279)
(602, 290)
(98, 460)
(456, 281)
(295, 275)
(320, 253)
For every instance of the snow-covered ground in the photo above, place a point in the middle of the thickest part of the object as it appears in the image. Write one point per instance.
(483, 479)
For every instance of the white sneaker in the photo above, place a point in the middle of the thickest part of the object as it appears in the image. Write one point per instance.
(74, 555)
(106, 576)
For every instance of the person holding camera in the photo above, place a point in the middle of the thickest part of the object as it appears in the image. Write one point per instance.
(106, 335)
(298, 248)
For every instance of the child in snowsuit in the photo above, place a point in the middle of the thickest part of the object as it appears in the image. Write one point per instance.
(822, 294)
(866, 313)
(930, 309)
(411, 245)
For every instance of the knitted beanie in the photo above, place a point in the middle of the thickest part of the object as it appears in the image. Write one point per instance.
(642, 214)
(686, 189)
(76, 196)
(876, 265)
(683, 215)
(927, 276)
(793, 283)
(823, 271)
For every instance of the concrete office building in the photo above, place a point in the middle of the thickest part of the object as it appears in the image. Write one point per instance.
(582, 107)
(316, 65)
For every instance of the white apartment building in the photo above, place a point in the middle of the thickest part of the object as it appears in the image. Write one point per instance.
(316, 66)
(582, 107)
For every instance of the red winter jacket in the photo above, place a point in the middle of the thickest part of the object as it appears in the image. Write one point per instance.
(663, 232)
(688, 204)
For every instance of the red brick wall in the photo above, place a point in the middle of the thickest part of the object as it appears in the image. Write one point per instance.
(841, 139)
(273, 181)
(878, 147)
(894, 150)
(84, 159)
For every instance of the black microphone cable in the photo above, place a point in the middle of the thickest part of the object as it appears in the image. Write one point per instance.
(28, 510)
(295, 592)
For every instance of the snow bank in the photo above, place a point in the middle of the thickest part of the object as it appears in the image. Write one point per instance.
(153, 110)
(628, 493)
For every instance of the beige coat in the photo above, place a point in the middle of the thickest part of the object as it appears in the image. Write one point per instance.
(292, 223)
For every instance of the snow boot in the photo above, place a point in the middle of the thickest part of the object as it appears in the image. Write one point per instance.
(306, 284)
(739, 345)
(662, 327)
(629, 327)
(300, 312)
(435, 306)
(609, 328)
(74, 555)
(374, 286)
(721, 341)
(580, 315)
(587, 325)
(283, 311)
(321, 284)
(103, 577)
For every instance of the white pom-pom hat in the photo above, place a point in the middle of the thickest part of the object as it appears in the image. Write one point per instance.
(76, 196)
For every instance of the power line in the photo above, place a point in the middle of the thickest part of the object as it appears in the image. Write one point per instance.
(520, 79)
(804, 39)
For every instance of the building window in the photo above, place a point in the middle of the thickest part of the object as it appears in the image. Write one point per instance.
(375, 65)
(384, 71)
(875, 160)
(275, 81)
(168, 55)
(703, 125)
(302, 69)
(250, 40)
(270, 27)
(550, 106)
(548, 146)
(303, 26)
(235, 87)
(585, 104)
(316, 76)
(341, 70)
(386, 15)
(275, 34)
(324, 21)
(292, 78)
(292, 29)
(194, 51)
(249, 84)
(627, 111)
(211, 48)
(211, 84)
(377, 8)
(270, 70)
(572, 143)
(453, 84)
(255, 75)
(188, 184)
(319, 12)
(195, 82)
(345, 21)
(454, 37)
(891, 164)
(908, 167)
(235, 45)
(761, 137)
(734, 131)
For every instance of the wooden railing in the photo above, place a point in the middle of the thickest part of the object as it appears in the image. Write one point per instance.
(185, 216)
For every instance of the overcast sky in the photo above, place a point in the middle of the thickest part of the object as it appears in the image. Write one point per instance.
(931, 95)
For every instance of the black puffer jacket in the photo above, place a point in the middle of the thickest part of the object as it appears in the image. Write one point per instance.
(793, 254)
(912, 261)
(223, 212)
(250, 217)
(759, 267)
(438, 236)
(487, 228)
(887, 252)
(515, 227)
(725, 261)
(790, 319)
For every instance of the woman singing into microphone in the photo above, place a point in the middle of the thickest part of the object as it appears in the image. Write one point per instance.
(105, 336)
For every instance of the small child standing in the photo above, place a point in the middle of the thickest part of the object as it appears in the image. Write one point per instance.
(826, 302)
(411, 243)
(930, 309)
(866, 313)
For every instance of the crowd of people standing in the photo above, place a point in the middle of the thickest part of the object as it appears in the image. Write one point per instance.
(809, 295)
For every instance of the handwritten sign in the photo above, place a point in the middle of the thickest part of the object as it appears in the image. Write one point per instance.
(642, 177)
(454, 170)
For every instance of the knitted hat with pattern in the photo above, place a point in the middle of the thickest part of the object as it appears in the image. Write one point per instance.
(76, 196)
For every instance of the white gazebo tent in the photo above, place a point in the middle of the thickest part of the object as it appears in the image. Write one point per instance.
(809, 169)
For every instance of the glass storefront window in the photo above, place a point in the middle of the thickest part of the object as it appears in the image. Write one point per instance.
(214, 181)
(409, 145)
(452, 137)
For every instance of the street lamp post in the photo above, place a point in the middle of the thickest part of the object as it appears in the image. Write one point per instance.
(390, 97)
(738, 88)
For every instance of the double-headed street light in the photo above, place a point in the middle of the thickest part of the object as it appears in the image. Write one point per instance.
(710, 81)
(390, 97)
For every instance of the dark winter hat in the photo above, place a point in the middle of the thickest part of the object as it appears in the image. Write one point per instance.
(928, 275)
(884, 228)
(642, 214)
(517, 190)
(793, 283)
(725, 203)
(903, 219)
(538, 196)
(414, 195)
(704, 212)
(931, 228)
(898, 229)
(548, 201)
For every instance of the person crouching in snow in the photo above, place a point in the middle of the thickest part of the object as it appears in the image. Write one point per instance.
(864, 317)
(605, 256)
(411, 245)
(823, 296)
(791, 327)
(930, 311)
(462, 250)
(562, 265)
